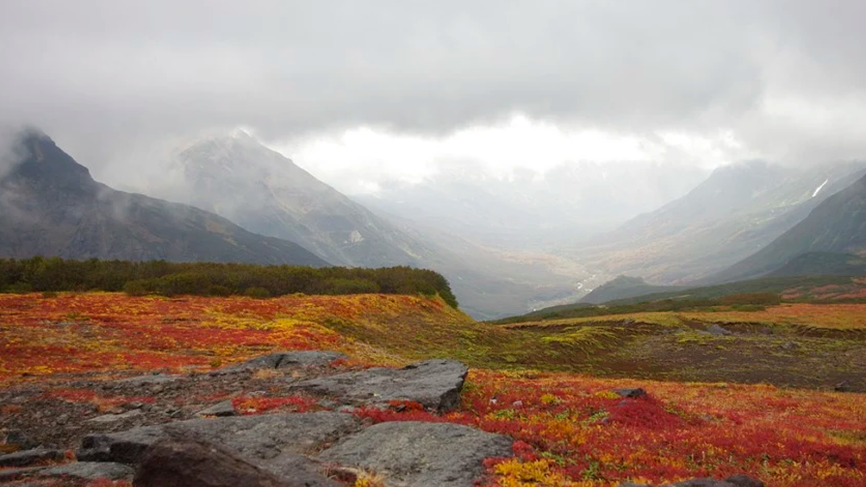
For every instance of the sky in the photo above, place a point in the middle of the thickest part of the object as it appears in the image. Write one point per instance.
(358, 92)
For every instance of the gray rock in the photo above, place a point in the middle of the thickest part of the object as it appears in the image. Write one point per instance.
(633, 393)
(436, 384)
(113, 418)
(147, 380)
(30, 457)
(734, 481)
(716, 329)
(418, 454)
(187, 462)
(261, 438)
(76, 470)
(220, 409)
(280, 360)
(89, 471)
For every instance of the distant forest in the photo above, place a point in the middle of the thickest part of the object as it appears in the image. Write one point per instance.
(211, 279)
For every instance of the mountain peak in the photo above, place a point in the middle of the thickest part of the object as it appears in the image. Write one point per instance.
(41, 161)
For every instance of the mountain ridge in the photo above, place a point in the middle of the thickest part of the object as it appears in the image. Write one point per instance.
(52, 206)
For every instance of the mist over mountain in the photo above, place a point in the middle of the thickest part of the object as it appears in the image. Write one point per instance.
(528, 210)
(837, 225)
(739, 209)
(51, 206)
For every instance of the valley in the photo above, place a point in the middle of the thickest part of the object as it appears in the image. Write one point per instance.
(725, 381)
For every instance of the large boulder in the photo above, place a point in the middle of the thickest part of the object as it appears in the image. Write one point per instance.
(436, 384)
(187, 462)
(420, 454)
(733, 481)
(256, 438)
(26, 458)
(77, 470)
(280, 360)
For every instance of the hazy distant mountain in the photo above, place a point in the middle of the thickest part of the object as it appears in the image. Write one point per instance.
(533, 211)
(836, 225)
(736, 211)
(623, 287)
(50, 205)
(239, 178)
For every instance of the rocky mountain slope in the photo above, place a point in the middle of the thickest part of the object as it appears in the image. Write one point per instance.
(50, 205)
(836, 225)
(241, 179)
(736, 211)
(237, 177)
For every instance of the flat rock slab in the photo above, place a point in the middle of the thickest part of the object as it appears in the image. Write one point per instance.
(220, 409)
(30, 457)
(281, 360)
(186, 462)
(420, 454)
(734, 481)
(76, 470)
(258, 438)
(436, 384)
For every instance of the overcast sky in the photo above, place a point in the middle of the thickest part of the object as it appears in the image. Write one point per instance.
(396, 87)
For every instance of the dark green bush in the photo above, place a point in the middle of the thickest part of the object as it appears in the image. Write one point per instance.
(257, 292)
(173, 278)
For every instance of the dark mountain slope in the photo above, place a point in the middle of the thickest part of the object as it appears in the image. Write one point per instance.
(735, 212)
(50, 205)
(836, 225)
(623, 287)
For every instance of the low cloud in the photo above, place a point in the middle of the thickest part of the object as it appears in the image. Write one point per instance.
(785, 78)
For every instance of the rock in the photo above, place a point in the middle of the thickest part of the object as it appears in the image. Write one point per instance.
(14, 440)
(843, 386)
(187, 462)
(734, 481)
(262, 437)
(147, 380)
(419, 454)
(791, 346)
(89, 471)
(280, 360)
(75, 470)
(112, 418)
(30, 457)
(220, 409)
(744, 481)
(715, 329)
(435, 384)
(633, 393)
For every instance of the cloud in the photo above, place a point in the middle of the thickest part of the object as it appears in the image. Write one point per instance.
(784, 78)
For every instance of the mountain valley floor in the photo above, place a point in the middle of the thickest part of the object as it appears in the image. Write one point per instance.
(775, 392)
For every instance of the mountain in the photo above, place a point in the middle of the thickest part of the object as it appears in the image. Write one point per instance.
(241, 179)
(238, 178)
(50, 205)
(836, 225)
(623, 287)
(732, 214)
(822, 264)
(525, 210)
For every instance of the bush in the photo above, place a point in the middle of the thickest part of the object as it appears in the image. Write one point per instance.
(135, 288)
(219, 291)
(257, 292)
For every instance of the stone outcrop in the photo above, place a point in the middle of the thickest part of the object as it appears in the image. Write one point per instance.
(418, 454)
(436, 384)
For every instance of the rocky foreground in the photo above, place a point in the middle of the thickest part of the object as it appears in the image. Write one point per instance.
(177, 439)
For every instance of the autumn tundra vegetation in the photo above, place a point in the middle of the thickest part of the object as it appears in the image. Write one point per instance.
(755, 384)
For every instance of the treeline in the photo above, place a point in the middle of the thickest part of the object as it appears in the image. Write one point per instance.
(742, 302)
(211, 279)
